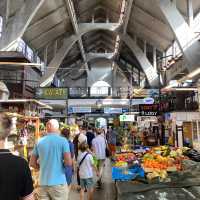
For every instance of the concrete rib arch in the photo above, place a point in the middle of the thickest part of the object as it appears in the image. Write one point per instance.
(84, 28)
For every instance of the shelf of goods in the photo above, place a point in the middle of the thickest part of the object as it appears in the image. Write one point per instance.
(157, 162)
(160, 170)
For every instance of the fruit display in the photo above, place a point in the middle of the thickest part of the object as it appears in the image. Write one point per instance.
(156, 162)
(157, 173)
(160, 160)
(125, 157)
(126, 148)
(121, 164)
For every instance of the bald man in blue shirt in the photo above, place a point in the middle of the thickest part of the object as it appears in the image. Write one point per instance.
(53, 153)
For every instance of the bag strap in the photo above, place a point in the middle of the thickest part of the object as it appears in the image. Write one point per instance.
(83, 159)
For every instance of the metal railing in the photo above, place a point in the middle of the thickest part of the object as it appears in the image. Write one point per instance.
(98, 92)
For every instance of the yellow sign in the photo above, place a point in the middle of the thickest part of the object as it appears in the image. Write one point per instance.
(52, 93)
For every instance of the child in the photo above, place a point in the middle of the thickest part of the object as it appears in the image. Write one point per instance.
(86, 166)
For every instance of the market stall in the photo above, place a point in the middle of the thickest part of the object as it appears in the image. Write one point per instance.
(151, 172)
(26, 125)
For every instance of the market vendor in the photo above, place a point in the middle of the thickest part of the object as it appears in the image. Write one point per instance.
(15, 175)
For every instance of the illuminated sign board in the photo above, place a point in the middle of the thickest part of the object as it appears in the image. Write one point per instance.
(149, 110)
(112, 110)
(80, 110)
(145, 93)
(127, 118)
(52, 93)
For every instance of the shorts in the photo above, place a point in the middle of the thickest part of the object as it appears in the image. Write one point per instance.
(100, 163)
(57, 192)
(87, 183)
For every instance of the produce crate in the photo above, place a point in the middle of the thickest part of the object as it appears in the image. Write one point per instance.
(122, 174)
(169, 169)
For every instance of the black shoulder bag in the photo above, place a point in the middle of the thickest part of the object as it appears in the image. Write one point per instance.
(78, 168)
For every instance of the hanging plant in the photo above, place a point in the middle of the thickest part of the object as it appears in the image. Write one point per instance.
(62, 125)
(42, 127)
(31, 128)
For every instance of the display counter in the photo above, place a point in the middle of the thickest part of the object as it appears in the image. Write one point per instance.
(184, 189)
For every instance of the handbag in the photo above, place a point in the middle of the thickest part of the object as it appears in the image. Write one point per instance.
(107, 149)
(107, 152)
(78, 168)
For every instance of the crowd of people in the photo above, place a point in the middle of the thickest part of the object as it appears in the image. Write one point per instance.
(59, 157)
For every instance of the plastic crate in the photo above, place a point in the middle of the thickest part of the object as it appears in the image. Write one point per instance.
(122, 174)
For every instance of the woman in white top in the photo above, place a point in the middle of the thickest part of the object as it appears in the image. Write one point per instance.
(86, 166)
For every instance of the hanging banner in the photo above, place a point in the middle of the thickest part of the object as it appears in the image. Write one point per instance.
(80, 110)
(52, 93)
(146, 93)
(149, 110)
(112, 110)
(147, 100)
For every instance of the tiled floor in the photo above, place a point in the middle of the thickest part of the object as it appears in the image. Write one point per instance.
(108, 190)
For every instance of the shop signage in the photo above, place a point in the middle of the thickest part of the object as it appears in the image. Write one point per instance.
(149, 110)
(112, 110)
(146, 93)
(127, 118)
(148, 100)
(137, 101)
(52, 93)
(80, 110)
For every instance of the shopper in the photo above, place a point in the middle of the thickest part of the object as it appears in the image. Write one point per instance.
(82, 137)
(53, 153)
(15, 176)
(69, 170)
(85, 170)
(79, 139)
(112, 140)
(90, 136)
(99, 149)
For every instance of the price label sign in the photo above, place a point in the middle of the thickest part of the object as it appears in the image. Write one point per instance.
(149, 110)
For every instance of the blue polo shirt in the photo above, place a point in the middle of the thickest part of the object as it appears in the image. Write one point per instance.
(50, 150)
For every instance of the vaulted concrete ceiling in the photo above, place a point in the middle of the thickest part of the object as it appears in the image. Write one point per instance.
(53, 22)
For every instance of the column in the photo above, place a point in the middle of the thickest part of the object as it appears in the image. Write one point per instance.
(173, 50)
(190, 13)
(145, 47)
(55, 47)
(93, 18)
(135, 39)
(107, 17)
(46, 55)
(154, 58)
(139, 77)
(174, 2)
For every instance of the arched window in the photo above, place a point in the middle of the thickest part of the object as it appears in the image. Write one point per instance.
(100, 88)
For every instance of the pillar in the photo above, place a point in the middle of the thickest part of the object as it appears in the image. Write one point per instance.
(190, 13)
(154, 58)
(55, 47)
(145, 47)
(46, 55)
(93, 18)
(135, 39)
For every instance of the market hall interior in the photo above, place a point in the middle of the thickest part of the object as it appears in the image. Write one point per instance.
(111, 86)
